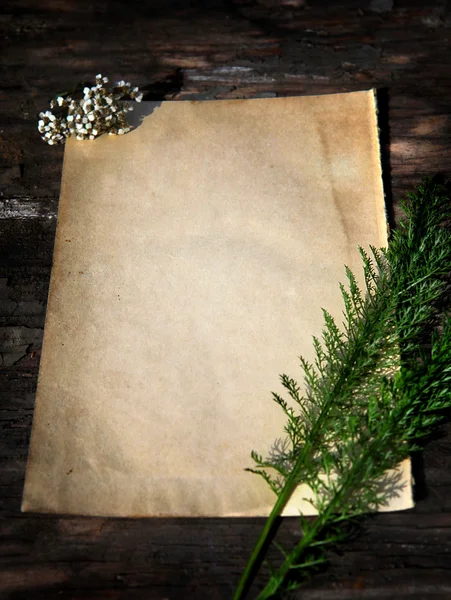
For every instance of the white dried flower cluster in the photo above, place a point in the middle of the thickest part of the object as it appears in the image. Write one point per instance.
(101, 110)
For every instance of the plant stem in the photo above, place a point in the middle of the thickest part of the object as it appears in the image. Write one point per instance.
(292, 559)
(290, 485)
(274, 583)
(278, 507)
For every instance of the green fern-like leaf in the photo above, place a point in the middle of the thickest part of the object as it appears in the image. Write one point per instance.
(377, 387)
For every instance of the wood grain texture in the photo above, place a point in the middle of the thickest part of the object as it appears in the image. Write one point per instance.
(202, 50)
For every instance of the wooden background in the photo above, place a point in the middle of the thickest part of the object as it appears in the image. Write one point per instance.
(202, 50)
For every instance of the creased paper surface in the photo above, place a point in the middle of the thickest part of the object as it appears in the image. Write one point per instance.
(192, 259)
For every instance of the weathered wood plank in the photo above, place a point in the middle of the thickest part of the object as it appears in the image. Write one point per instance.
(201, 50)
(28, 207)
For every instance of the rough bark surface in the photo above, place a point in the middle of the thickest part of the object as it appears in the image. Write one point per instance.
(202, 50)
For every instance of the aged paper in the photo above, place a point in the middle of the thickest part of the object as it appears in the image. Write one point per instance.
(192, 258)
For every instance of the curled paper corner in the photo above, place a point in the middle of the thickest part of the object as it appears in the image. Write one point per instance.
(141, 110)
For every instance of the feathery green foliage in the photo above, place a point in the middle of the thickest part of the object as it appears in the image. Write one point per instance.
(375, 391)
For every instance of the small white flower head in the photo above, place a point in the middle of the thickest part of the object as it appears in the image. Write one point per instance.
(101, 110)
